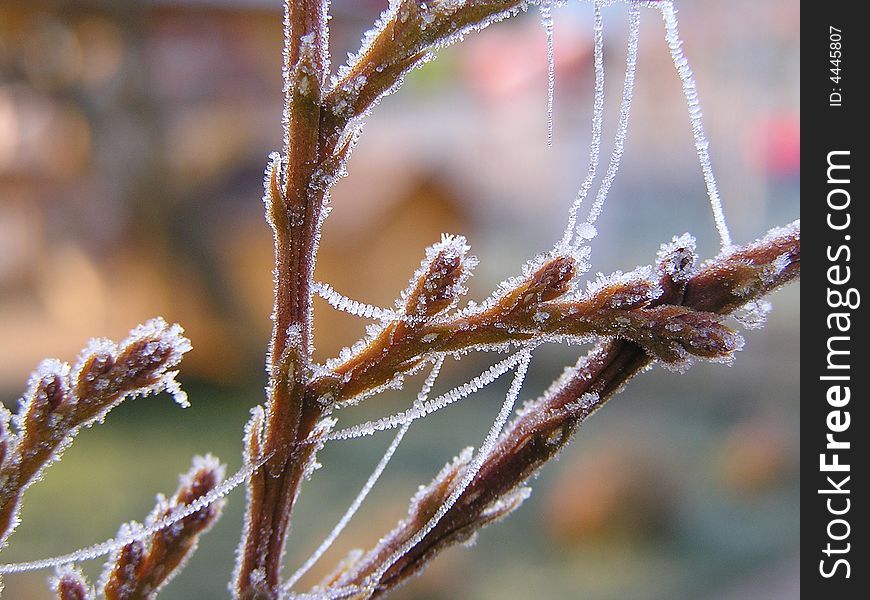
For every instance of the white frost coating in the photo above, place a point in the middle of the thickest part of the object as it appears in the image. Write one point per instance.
(426, 408)
(506, 504)
(643, 276)
(116, 543)
(439, 14)
(447, 6)
(595, 142)
(547, 22)
(470, 471)
(353, 307)
(369, 484)
(678, 258)
(624, 114)
(690, 91)
(450, 246)
(70, 572)
(165, 337)
(753, 315)
(344, 591)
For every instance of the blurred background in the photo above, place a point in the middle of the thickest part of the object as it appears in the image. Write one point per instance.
(133, 138)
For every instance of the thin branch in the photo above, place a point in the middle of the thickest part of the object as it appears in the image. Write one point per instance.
(141, 568)
(294, 200)
(61, 400)
(534, 308)
(546, 425)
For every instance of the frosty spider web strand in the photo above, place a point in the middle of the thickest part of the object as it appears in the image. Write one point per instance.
(369, 485)
(353, 307)
(426, 408)
(690, 91)
(597, 123)
(547, 22)
(332, 594)
(115, 544)
(624, 114)
(470, 471)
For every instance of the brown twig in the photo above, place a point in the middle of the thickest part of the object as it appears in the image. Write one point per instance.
(141, 568)
(294, 206)
(547, 424)
(319, 135)
(61, 400)
(533, 309)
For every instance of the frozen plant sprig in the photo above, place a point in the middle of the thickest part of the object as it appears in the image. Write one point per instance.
(61, 400)
(143, 566)
(546, 425)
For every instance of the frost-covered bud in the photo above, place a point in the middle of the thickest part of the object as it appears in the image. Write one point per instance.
(69, 583)
(92, 375)
(139, 365)
(205, 475)
(61, 401)
(741, 275)
(672, 333)
(149, 352)
(550, 281)
(677, 260)
(119, 578)
(624, 294)
(46, 405)
(142, 567)
(438, 283)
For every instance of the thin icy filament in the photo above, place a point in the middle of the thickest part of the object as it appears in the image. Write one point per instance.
(369, 485)
(690, 91)
(595, 142)
(471, 469)
(353, 307)
(430, 406)
(115, 544)
(622, 126)
(547, 22)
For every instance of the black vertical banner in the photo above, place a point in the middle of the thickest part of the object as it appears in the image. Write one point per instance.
(834, 428)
